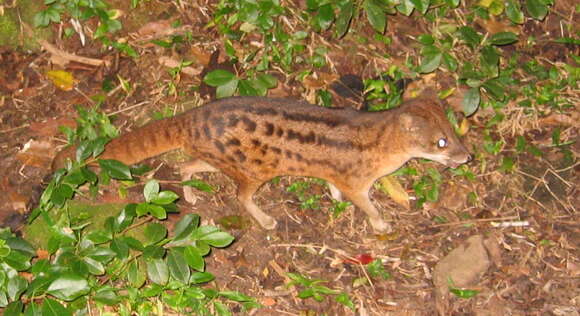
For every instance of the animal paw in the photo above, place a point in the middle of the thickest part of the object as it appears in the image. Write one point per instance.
(380, 226)
(268, 223)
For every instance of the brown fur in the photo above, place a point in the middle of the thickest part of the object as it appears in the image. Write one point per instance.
(253, 139)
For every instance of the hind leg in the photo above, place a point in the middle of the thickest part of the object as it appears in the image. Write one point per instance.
(246, 190)
(187, 170)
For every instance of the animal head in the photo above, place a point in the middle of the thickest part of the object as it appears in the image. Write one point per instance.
(430, 134)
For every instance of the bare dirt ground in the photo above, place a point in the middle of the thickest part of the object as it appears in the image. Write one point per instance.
(533, 269)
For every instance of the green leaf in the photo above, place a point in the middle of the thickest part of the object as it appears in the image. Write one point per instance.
(185, 226)
(219, 77)
(221, 309)
(490, 61)
(155, 232)
(68, 287)
(495, 89)
(227, 90)
(95, 267)
(375, 15)
(470, 36)
(120, 247)
(430, 62)
(325, 17)
(178, 267)
(346, 9)
(406, 7)
(165, 197)
(153, 251)
(450, 62)
(107, 296)
(151, 190)
(194, 258)
(51, 307)
(60, 194)
(463, 293)
(345, 300)
(16, 286)
(200, 185)
(503, 38)
(235, 296)
(514, 12)
(135, 274)
(201, 277)
(246, 88)
(218, 239)
(537, 9)
(115, 169)
(267, 81)
(471, 101)
(13, 309)
(426, 39)
(155, 210)
(421, 5)
(157, 271)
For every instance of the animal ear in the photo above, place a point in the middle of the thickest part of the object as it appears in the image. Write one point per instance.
(408, 122)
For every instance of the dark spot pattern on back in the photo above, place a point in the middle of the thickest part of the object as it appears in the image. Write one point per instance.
(269, 129)
(250, 125)
(233, 142)
(233, 120)
(240, 155)
(206, 131)
(219, 146)
(219, 125)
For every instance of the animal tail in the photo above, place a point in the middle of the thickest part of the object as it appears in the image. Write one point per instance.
(139, 144)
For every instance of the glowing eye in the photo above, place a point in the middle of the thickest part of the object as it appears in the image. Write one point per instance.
(442, 143)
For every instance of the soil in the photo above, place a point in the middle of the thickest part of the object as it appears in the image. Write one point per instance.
(536, 272)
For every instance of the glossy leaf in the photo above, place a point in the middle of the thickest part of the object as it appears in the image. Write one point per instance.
(151, 190)
(135, 274)
(218, 77)
(514, 11)
(51, 307)
(115, 169)
(346, 9)
(165, 197)
(227, 90)
(218, 239)
(68, 287)
(471, 101)
(200, 185)
(155, 232)
(185, 226)
(375, 15)
(503, 38)
(201, 277)
(537, 9)
(430, 62)
(178, 267)
(194, 258)
(157, 271)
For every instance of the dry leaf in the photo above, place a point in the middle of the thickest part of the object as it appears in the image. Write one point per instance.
(202, 57)
(153, 28)
(36, 154)
(50, 126)
(63, 80)
(463, 127)
(310, 82)
(172, 63)
(395, 190)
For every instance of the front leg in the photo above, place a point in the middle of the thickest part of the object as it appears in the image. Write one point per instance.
(361, 199)
(187, 170)
(246, 190)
